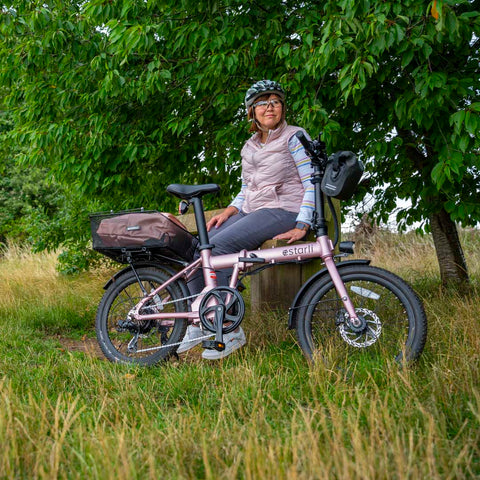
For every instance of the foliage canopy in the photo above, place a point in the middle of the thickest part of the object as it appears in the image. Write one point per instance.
(119, 99)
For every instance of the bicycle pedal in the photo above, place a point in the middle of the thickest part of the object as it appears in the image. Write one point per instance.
(213, 345)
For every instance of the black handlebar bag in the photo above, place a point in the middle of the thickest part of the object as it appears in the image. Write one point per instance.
(342, 175)
(135, 232)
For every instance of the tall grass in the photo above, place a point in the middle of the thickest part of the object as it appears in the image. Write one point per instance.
(261, 413)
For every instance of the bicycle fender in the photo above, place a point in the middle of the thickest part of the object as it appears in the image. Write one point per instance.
(292, 321)
(169, 270)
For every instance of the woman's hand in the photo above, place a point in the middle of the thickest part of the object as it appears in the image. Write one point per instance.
(217, 220)
(292, 235)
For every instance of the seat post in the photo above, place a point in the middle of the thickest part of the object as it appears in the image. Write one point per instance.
(201, 223)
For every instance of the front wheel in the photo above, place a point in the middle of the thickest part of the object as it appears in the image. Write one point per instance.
(125, 340)
(393, 321)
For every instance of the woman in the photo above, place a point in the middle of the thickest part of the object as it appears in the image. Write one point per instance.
(276, 199)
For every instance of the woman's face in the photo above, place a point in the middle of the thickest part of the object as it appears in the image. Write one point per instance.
(269, 115)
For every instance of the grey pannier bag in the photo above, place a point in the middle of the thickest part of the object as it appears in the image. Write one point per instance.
(141, 232)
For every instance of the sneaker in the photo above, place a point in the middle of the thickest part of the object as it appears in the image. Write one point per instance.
(233, 341)
(193, 336)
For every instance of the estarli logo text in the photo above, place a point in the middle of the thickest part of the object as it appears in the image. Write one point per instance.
(297, 250)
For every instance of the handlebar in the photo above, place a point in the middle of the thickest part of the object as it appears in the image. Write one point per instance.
(315, 149)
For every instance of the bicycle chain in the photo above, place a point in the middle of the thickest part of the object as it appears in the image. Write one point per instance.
(160, 305)
(170, 345)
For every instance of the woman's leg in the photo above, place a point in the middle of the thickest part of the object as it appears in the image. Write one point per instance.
(250, 230)
(241, 231)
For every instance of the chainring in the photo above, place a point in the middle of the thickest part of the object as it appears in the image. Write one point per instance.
(234, 307)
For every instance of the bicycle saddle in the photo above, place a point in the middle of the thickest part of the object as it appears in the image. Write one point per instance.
(186, 192)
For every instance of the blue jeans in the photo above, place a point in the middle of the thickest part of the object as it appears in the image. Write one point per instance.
(243, 231)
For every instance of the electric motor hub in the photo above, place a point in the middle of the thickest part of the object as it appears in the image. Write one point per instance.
(357, 325)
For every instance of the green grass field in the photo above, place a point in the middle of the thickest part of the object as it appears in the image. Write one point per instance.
(262, 413)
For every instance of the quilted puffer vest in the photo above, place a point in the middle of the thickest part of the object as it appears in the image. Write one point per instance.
(270, 173)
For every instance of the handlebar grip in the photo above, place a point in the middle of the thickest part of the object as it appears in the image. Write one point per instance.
(307, 144)
(303, 140)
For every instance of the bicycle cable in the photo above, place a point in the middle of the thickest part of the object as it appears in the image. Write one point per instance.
(335, 220)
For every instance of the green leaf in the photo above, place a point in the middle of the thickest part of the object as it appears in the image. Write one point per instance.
(457, 119)
(473, 14)
(407, 57)
(471, 122)
(463, 143)
(450, 206)
(438, 175)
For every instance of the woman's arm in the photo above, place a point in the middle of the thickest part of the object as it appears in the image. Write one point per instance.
(217, 220)
(240, 198)
(304, 169)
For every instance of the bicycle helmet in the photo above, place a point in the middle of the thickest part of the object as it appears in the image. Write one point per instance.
(263, 87)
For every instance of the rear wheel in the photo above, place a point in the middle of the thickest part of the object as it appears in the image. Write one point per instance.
(128, 341)
(393, 321)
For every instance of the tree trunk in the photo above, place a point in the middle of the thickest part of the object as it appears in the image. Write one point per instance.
(453, 267)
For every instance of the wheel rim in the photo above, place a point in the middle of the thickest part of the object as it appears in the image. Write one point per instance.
(387, 317)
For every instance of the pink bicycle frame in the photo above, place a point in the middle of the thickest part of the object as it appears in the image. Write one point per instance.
(321, 248)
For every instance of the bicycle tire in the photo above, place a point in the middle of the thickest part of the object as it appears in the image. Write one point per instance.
(395, 326)
(116, 333)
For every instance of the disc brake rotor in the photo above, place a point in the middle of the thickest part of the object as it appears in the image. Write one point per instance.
(368, 336)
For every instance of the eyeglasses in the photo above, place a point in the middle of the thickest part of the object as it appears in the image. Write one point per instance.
(263, 105)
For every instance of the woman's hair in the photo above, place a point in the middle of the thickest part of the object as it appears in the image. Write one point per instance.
(251, 114)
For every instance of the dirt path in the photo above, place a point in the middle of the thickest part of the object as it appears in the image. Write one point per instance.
(86, 345)
(90, 347)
